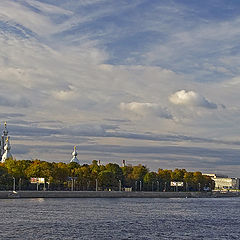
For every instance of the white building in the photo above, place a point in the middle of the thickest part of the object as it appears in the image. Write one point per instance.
(224, 182)
(7, 149)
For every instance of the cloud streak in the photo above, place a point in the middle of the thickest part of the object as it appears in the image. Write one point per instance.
(144, 109)
(8, 101)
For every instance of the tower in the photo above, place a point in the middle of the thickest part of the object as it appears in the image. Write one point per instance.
(74, 154)
(7, 149)
(3, 140)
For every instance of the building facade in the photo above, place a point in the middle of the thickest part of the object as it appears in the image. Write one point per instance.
(224, 182)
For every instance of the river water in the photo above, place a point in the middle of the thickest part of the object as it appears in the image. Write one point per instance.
(135, 218)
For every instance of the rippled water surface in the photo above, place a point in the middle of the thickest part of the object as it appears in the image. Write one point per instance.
(120, 218)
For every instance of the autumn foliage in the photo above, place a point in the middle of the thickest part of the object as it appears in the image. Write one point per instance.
(62, 176)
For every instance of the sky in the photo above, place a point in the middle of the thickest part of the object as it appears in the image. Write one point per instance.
(152, 82)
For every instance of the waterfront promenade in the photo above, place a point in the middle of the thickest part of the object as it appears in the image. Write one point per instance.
(113, 194)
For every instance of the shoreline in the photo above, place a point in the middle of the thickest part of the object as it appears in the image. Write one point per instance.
(113, 194)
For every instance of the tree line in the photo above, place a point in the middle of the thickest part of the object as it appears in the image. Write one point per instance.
(91, 177)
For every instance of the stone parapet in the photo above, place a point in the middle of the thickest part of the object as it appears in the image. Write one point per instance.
(113, 194)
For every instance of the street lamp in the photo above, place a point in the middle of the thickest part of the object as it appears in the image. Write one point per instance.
(44, 185)
(96, 185)
(158, 186)
(14, 184)
(140, 186)
(19, 184)
(72, 184)
(120, 185)
(136, 186)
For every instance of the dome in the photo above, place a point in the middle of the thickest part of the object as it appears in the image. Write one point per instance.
(74, 154)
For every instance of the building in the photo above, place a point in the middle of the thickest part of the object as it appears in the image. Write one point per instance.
(213, 175)
(5, 146)
(3, 140)
(74, 154)
(224, 182)
(7, 154)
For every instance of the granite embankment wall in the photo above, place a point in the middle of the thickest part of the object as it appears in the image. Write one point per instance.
(113, 194)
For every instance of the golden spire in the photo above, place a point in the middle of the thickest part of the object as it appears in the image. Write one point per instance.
(7, 139)
(5, 124)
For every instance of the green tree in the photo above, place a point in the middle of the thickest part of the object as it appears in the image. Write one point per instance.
(198, 180)
(164, 177)
(107, 180)
(150, 180)
(86, 177)
(6, 181)
(60, 174)
(139, 172)
(128, 180)
(189, 181)
(116, 170)
(178, 175)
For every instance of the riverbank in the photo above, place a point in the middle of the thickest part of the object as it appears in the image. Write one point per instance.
(113, 194)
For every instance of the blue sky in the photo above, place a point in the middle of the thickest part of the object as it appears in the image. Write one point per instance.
(152, 82)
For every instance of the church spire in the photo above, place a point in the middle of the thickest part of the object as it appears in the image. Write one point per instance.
(5, 131)
(3, 140)
(74, 154)
(7, 149)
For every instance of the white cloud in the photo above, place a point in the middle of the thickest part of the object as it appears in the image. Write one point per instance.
(146, 109)
(191, 98)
